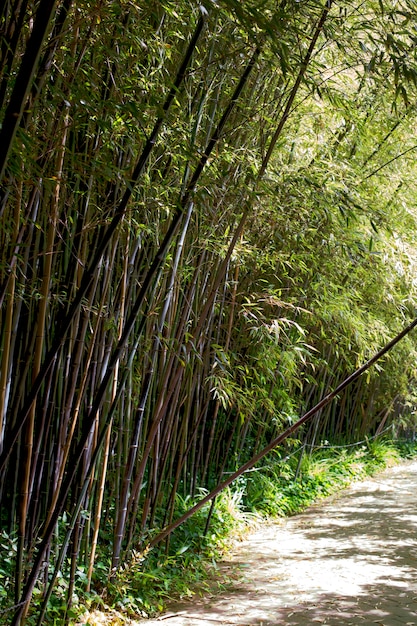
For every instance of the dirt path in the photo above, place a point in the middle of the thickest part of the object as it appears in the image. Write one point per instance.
(349, 560)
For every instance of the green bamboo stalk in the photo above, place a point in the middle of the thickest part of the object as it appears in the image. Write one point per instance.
(13, 24)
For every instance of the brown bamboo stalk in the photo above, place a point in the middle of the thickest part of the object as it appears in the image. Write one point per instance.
(106, 452)
(7, 336)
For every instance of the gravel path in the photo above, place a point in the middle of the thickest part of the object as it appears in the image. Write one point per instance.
(349, 560)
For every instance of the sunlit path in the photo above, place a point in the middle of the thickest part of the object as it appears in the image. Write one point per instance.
(351, 560)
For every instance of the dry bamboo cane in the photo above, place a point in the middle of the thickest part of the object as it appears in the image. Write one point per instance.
(217, 405)
(280, 438)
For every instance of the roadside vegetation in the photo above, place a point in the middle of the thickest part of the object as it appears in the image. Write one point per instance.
(207, 223)
(283, 488)
(187, 565)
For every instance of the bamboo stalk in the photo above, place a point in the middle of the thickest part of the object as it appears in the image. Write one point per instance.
(15, 108)
(7, 335)
(13, 24)
(37, 357)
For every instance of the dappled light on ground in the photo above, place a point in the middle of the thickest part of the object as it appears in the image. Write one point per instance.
(350, 560)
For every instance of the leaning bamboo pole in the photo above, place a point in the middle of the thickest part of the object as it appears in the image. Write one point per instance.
(282, 436)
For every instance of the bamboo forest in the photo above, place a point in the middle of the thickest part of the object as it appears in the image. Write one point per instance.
(208, 224)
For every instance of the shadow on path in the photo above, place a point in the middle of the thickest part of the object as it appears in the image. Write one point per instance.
(349, 560)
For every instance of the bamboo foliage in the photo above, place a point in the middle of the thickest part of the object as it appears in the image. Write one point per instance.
(191, 237)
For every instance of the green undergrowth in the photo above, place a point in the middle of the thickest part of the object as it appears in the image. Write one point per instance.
(186, 566)
(281, 488)
(286, 488)
(181, 568)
